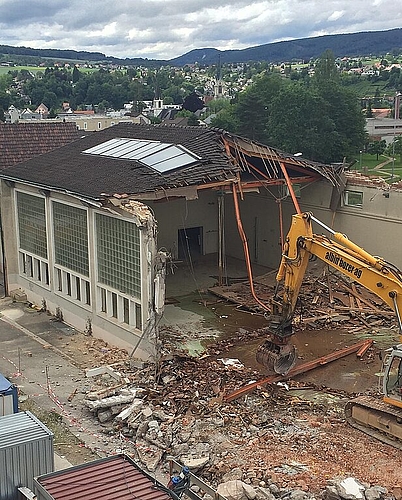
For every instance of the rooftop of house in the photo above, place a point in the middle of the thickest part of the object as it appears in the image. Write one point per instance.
(90, 168)
(22, 141)
(111, 477)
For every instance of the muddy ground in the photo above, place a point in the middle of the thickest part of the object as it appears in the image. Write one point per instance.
(295, 436)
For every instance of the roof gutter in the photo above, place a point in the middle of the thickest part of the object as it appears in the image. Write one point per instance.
(95, 202)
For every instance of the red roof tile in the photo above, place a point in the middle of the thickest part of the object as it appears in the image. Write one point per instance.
(116, 477)
(22, 141)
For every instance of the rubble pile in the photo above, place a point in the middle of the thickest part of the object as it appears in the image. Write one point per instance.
(347, 488)
(331, 300)
(178, 409)
(327, 300)
(283, 445)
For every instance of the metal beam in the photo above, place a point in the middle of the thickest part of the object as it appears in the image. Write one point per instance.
(305, 367)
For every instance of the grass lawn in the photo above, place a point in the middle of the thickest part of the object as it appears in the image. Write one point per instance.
(33, 69)
(391, 172)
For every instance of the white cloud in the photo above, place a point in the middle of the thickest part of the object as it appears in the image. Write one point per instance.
(336, 15)
(107, 31)
(163, 29)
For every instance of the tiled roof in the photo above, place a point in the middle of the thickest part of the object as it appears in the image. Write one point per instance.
(22, 141)
(116, 477)
(67, 168)
(98, 177)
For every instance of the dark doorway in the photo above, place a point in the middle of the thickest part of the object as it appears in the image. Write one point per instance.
(190, 243)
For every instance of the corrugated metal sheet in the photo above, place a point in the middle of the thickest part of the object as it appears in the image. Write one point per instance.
(104, 479)
(21, 428)
(26, 451)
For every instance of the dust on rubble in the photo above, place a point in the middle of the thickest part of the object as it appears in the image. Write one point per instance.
(176, 408)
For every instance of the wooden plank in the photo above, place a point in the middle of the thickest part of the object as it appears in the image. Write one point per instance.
(341, 297)
(369, 311)
(365, 301)
(331, 297)
(357, 296)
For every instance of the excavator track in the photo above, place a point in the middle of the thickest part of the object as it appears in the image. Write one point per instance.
(376, 419)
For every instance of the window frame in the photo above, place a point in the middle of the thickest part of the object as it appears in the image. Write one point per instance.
(32, 266)
(346, 201)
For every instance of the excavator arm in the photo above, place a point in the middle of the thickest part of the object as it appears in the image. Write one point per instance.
(379, 419)
(336, 250)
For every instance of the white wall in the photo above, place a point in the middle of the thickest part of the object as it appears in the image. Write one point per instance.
(178, 214)
(75, 311)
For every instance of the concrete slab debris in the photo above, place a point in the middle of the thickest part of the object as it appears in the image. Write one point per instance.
(101, 370)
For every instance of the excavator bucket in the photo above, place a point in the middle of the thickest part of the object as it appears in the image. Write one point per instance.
(277, 358)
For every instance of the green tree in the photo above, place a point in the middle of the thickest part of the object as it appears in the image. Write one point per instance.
(76, 75)
(253, 107)
(376, 148)
(343, 108)
(251, 114)
(299, 122)
(174, 93)
(369, 110)
(226, 119)
(5, 100)
(192, 120)
(326, 69)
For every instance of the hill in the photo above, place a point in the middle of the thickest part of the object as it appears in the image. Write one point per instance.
(353, 44)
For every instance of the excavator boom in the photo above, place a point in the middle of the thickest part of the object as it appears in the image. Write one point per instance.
(382, 419)
(339, 252)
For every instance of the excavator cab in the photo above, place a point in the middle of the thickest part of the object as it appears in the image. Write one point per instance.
(392, 381)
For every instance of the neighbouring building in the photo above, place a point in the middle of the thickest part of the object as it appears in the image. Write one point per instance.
(383, 128)
(116, 477)
(43, 110)
(95, 123)
(26, 451)
(22, 141)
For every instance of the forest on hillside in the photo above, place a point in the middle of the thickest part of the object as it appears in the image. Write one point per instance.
(349, 44)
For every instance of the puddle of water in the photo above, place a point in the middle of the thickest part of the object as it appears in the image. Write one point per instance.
(349, 374)
(201, 319)
(188, 325)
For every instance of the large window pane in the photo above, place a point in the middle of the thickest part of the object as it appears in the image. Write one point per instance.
(118, 254)
(71, 237)
(32, 224)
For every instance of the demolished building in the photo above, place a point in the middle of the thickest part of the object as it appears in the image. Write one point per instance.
(87, 228)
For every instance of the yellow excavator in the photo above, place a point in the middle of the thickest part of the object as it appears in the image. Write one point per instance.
(379, 418)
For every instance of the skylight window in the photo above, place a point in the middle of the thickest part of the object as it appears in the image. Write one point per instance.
(160, 156)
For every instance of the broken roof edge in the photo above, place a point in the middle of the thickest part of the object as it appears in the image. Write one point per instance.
(377, 182)
(142, 213)
(331, 172)
(192, 192)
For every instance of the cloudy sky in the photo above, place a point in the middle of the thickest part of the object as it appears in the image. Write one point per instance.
(163, 29)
